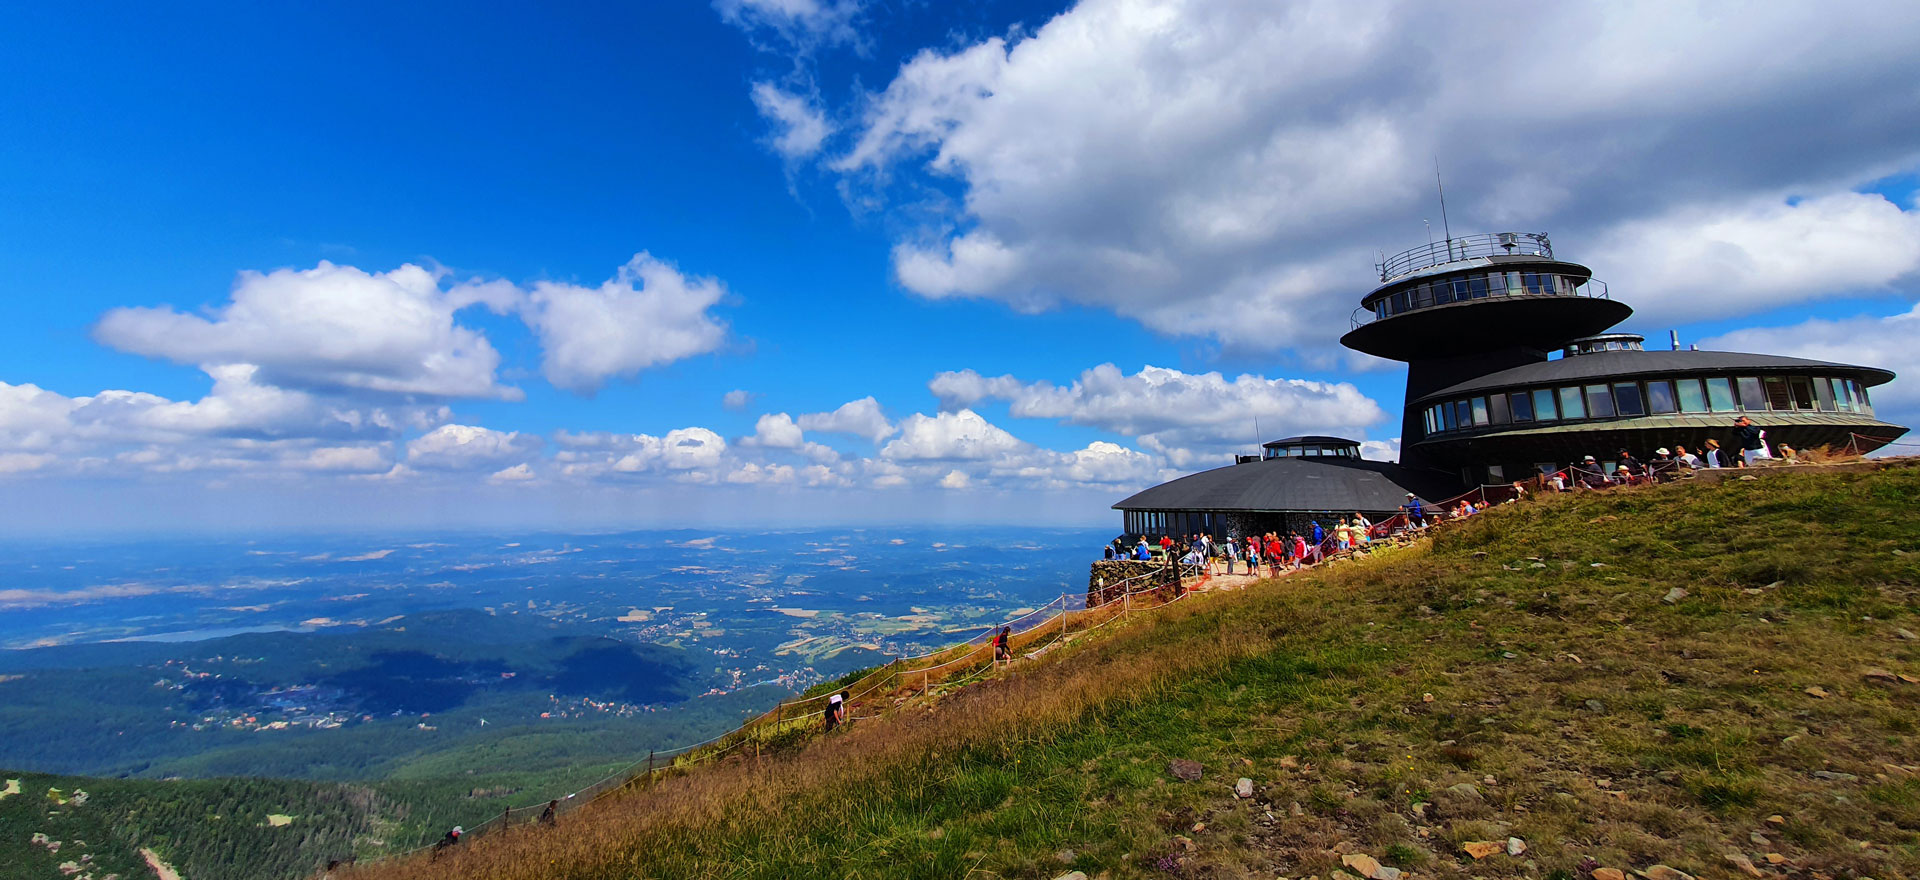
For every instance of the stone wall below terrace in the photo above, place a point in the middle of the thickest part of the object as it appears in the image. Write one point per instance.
(1109, 579)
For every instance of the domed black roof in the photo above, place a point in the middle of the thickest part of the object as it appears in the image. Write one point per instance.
(1296, 484)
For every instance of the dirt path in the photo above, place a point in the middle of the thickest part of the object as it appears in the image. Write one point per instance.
(164, 870)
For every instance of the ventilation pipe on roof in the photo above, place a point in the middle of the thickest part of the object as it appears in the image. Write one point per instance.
(1675, 335)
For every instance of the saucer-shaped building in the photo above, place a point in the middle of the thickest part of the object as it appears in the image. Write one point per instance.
(1478, 321)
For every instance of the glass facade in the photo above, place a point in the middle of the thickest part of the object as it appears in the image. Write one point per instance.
(1718, 394)
(1479, 285)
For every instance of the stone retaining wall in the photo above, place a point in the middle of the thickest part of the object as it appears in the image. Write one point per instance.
(1104, 581)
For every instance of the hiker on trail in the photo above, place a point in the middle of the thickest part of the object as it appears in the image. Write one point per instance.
(550, 816)
(1319, 534)
(1753, 442)
(1166, 544)
(1273, 553)
(1519, 491)
(448, 842)
(1688, 459)
(1343, 535)
(1414, 514)
(1253, 554)
(1003, 645)
(1141, 551)
(1299, 551)
(1715, 458)
(1362, 529)
(1230, 549)
(1109, 552)
(832, 715)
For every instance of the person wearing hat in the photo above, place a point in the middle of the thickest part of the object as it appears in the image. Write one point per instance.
(1630, 467)
(1591, 474)
(1715, 458)
(1412, 507)
(1661, 466)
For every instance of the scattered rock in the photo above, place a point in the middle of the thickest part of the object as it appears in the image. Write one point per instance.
(1538, 565)
(1608, 874)
(1776, 820)
(1817, 692)
(1596, 706)
(1662, 872)
(1516, 846)
(1426, 698)
(1674, 595)
(1420, 810)
(1758, 839)
(1293, 809)
(1386, 873)
(1831, 776)
(1509, 655)
(1186, 843)
(1749, 478)
(1199, 827)
(1745, 865)
(1907, 634)
(1480, 849)
(1877, 674)
(1243, 788)
(1362, 864)
(1072, 875)
(1776, 859)
(1466, 790)
(1185, 769)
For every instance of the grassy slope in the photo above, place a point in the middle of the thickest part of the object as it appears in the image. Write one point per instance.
(1616, 729)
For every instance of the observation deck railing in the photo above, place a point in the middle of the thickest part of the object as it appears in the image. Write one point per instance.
(1453, 250)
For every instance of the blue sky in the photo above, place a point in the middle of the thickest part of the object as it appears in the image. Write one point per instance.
(847, 200)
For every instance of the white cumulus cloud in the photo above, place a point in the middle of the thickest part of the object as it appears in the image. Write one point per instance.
(947, 436)
(857, 418)
(329, 328)
(469, 447)
(647, 314)
(1891, 343)
(801, 125)
(1188, 417)
(1232, 168)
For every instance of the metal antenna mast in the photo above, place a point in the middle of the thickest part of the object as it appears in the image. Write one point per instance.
(1447, 227)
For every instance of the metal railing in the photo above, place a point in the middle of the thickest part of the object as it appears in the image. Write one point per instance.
(1492, 244)
(1593, 288)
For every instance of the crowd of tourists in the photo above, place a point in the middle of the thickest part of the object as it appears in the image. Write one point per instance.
(1666, 465)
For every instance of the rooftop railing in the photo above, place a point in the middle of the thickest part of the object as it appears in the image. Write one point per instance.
(1453, 250)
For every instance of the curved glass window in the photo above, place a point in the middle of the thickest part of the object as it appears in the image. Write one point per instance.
(1543, 408)
(1649, 397)
(1720, 395)
(1626, 399)
(1660, 397)
(1691, 398)
(1599, 401)
(1522, 406)
(1571, 406)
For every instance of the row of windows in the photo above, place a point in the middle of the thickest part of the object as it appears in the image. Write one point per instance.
(1302, 451)
(1479, 285)
(1652, 397)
